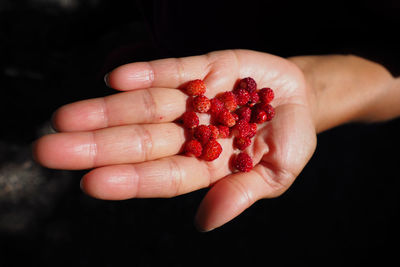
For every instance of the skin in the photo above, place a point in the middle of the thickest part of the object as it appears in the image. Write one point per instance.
(132, 145)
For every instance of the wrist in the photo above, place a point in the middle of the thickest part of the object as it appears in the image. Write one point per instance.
(345, 88)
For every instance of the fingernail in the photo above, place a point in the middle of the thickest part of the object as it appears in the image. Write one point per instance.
(107, 79)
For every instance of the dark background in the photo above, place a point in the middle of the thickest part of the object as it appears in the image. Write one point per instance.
(343, 208)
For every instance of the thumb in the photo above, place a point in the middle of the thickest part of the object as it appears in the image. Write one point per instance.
(233, 194)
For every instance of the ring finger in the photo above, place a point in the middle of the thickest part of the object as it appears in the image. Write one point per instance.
(115, 145)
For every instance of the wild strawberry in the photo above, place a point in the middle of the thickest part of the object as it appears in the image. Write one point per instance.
(226, 118)
(202, 133)
(241, 128)
(268, 109)
(195, 87)
(223, 131)
(211, 150)
(258, 116)
(242, 96)
(254, 98)
(190, 119)
(244, 113)
(216, 106)
(252, 130)
(243, 162)
(193, 148)
(266, 95)
(248, 84)
(214, 132)
(201, 104)
(229, 100)
(241, 142)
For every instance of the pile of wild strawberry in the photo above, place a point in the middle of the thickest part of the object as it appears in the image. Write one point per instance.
(234, 113)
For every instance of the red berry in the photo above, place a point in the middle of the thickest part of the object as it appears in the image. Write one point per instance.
(243, 162)
(226, 118)
(266, 95)
(242, 142)
(244, 113)
(270, 111)
(259, 116)
(254, 98)
(252, 130)
(216, 106)
(248, 84)
(193, 148)
(202, 133)
(241, 128)
(190, 119)
(235, 116)
(201, 104)
(195, 87)
(242, 96)
(229, 100)
(223, 131)
(214, 132)
(211, 150)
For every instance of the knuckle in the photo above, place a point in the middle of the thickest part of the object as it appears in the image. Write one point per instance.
(145, 143)
(176, 178)
(150, 105)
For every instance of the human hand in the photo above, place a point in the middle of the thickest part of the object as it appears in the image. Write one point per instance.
(132, 143)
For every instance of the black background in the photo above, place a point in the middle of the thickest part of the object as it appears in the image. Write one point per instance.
(343, 208)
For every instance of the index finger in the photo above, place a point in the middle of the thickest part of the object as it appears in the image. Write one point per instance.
(174, 72)
(170, 73)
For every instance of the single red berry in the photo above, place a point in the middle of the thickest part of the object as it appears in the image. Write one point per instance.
(266, 95)
(193, 148)
(195, 87)
(201, 104)
(242, 96)
(202, 133)
(241, 142)
(252, 130)
(211, 150)
(243, 162)
(248, 84)
(190, 119)
(226, 118)
(254, 98)
(229, 100)
(216, 106)
(241, 129)
(214, 132)
(270, 111)
(258, 116)
(244, 113)
(223, 131)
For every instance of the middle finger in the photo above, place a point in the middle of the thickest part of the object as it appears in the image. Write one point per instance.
(154, 105)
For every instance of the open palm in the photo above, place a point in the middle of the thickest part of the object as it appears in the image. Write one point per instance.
(133, 144)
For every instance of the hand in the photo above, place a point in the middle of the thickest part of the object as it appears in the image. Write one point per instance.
(132, 142)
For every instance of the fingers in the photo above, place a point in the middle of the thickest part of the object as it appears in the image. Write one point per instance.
(219, 70)
(171, 72)
(233, 194)
(152, 105)
(165, 177)
(116, 145)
